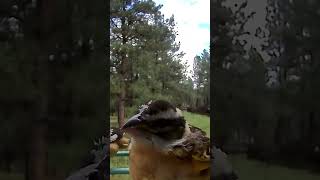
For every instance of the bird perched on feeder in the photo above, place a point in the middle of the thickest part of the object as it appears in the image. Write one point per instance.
(117, 140)
(165, 147)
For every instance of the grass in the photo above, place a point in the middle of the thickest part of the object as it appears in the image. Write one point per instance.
(119, 162)
(11, 176)
(197, 120)
(113, 121)
(20, 176)
(200, 121)
(253, 170)
(63, 159)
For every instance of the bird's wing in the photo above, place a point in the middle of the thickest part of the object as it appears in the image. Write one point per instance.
(194, 129)
(195, 145)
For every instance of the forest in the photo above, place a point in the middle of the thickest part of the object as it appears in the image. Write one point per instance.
(52, 66)
(266, 80)
(146, 62)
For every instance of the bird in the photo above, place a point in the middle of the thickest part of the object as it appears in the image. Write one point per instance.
(164, 146)
(115, 135)
(118, 140)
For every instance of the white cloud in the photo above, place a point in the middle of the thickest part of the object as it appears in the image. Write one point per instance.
(189, 14)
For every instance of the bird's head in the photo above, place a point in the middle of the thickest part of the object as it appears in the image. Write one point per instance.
(157, 122)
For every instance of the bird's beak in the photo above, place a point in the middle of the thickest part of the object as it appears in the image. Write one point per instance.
(132, 122)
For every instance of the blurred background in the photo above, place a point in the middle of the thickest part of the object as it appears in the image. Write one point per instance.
(52, 75)
(266, 86)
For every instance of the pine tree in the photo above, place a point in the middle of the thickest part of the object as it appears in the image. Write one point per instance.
(145, 62)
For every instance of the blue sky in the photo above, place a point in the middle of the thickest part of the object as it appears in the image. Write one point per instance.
(204, 25)
(193, 25)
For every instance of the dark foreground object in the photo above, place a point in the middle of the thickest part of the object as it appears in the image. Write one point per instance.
(221, 167)
(97, 169)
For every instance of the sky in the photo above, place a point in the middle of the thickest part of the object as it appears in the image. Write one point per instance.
(257, 21)
(192, 19)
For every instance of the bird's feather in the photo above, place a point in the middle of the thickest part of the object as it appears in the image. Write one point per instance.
(195, 145)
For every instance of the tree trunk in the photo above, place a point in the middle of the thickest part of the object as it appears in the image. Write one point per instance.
(124, 73)
(45, 36)
(26, 167)
(8, 159)
(38, 153)
(311, 128)
(121, 108)
(38, 145)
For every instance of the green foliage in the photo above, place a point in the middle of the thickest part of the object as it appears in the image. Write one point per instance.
(201, 75)
(145, 59)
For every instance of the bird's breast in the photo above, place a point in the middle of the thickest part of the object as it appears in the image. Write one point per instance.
(149, 164)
